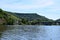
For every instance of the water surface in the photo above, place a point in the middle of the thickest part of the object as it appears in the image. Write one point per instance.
(31, 32)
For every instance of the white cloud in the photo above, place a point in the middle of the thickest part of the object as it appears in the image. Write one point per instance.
(43, 6)
(20, 5)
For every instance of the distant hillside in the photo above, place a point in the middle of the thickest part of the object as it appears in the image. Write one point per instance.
(32, 16)
(11, 18)
(58, 20)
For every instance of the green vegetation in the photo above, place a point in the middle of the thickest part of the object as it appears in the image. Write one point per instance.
(7, 18)
(32, 18)
(11, 18)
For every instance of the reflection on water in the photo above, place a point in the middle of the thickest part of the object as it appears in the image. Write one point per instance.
(31, 32)
(2, 29)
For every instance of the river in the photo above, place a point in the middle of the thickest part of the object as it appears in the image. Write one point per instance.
(31, 32)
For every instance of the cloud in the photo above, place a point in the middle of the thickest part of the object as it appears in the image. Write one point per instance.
(48, 8)
(16, 4)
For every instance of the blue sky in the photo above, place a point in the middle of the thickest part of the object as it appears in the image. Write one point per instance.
(47, 8)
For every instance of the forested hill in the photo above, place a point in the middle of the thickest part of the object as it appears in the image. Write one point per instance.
(11, 18)
(32, 16)
(58, 20)
(6, 18)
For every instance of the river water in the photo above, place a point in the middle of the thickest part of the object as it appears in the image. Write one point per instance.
(31, 32)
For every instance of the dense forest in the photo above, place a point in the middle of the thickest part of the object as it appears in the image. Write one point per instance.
(12, 18)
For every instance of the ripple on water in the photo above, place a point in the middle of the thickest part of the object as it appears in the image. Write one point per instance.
(31, 33)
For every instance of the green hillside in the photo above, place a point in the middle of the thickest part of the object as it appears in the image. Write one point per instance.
(11, 18)
(32, 18)
(7, 18)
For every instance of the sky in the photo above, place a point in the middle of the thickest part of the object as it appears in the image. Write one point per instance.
(47, 8)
